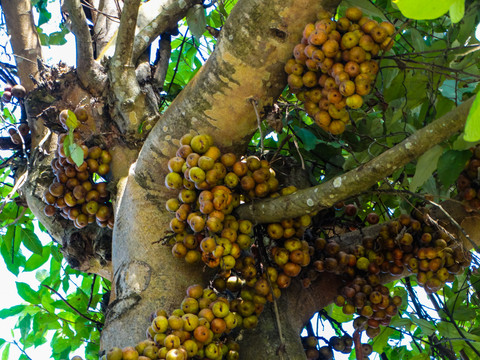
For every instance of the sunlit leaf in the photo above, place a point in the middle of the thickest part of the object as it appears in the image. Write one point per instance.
(6, 352)
(472, 126)
(27, 293)
(14, 310)
(457, 10)
(76, 153)
(423, 9)
(30, 241)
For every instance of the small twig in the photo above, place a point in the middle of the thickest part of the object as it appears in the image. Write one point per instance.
(21, 180)
(299, 153)
(282, 144)
(98, 323)
(259, 123)
(91, 290)
(22, 350)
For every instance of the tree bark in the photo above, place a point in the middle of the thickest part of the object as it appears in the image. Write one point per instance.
(24, 39)
(257, 39)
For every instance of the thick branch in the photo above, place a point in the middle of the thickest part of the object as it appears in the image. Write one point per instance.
(255, 42)
(89, 71)
(24, 39)
(130, 101)
(360, 179)
(170, 12)
(126, 34)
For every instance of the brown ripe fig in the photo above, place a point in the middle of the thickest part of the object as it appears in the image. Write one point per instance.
(330, 264)
(7, 96)
(357, 54)
(330, 48)
(183, 151)
(92, 165)
(103, 213)
(56, 189)
(79, 192)
(23, 129)
(49, 210)
(350, 210)
(299, 53)
(372, 218)
(18, 91)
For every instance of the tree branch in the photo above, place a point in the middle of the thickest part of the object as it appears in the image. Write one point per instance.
(163, 58)
(126, 34)
(98, 323)
(89, 71)
(24, 39)
(360, 179)
(170, 12)
(131, 102)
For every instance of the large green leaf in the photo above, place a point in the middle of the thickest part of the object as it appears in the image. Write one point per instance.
(27, 293)
(30, 240)
(423, 9)
(35, 261)
(426, 165)
(196, 20)
(426, 327)
(14, 310)
(451, 164)
(472, 126)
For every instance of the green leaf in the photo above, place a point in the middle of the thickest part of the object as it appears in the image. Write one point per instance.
(27, 293)
(421, 356)
(464, 313)
(426, 327)
(2, 341)
(196, 20)
(76, 154)
(56, 254)
(35, 261)
(423, 9)
(72, 122)
(382, 339)
(67, 142)
(6, 352)
(472, 126)
(14, 310)
(308, 138)
(426, 165)
(451, 164)
(30, 241)
(457, 10)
